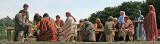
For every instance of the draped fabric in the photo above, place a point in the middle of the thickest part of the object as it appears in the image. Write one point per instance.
(117, 26)
(68, 30)
(121, 19)
(150, 24)
(86, 29)
(109, 31)
(129, 28)
(140, 33)
(47, 30)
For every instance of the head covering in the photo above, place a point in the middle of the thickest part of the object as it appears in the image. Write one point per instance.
(140, 16)
(69, 14)
(57, 16)
(126, 17)
(121, 18)
(151, 8)
(123, 14)
(98, 20)
(139, 11)
(150, 24)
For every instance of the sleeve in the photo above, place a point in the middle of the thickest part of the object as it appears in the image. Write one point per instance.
(67, 24)
(20, 20)
(82, 28)
(117, 25)
(95, 26)
(142, 17)
(105, 28)
(27, 17)
(62, 22)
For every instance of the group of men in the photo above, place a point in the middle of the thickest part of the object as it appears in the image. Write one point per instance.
(48, 29)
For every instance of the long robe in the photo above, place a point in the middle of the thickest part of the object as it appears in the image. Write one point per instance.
(129, 28)
(47, 30)
(121, 19)
(139, 29)
(150, 24)
(68, 30)
(86, 29)
(117, 32)
(109, 31)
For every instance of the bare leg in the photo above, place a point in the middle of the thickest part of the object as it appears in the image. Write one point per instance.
(73, 39)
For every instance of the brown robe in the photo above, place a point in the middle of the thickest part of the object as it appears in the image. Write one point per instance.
(47, 30)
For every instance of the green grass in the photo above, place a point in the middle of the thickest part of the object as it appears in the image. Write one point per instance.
(121, 42)
(3, 35)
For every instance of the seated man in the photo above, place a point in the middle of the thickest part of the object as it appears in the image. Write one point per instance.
(99, 26)
(128, 28)
(47, 29)
(22, 24)
(59, 22)
(109, 29)
(88, 31)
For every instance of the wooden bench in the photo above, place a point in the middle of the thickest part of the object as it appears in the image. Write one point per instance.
(10, 32)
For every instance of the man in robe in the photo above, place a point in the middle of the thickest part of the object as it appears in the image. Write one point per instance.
(47, 29)
(140, 33)
(109, 29)
(150, 24)
(68, 31)
(59, 22)
(86, 30)
(128, 27)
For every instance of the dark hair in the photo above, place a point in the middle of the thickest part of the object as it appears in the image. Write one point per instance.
(45, 15)
(86, 20)
(37, 18)
(25, 5)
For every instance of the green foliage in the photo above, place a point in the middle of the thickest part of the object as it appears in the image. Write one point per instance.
(130, 9)
(5, 22)
(156, 4)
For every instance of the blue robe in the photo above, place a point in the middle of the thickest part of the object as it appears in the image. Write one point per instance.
(139, 29)
(121, 19)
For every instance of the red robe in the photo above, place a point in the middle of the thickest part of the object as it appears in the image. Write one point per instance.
(47, 30)
(150, 24)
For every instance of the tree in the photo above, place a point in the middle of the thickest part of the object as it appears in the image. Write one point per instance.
(130, 9)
